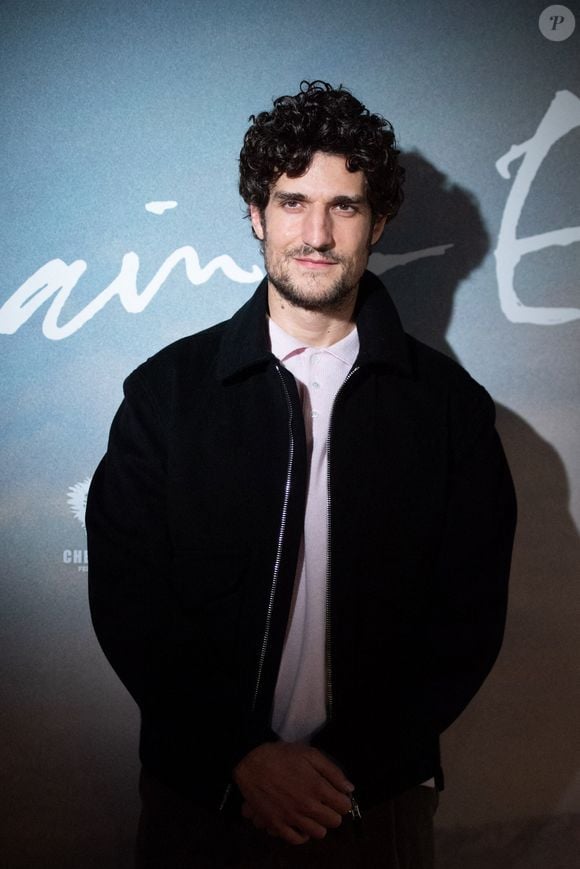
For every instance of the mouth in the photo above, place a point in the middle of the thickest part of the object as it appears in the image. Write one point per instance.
(315, 263)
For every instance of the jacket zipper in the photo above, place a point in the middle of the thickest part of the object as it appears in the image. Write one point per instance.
(355, 811)
(328, 637)
(277, 562)
(281, 534)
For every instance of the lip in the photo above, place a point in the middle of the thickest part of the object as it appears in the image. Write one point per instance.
(315, 263)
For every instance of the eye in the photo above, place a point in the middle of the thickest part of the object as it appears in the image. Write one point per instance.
(291, 204)
(346, 208)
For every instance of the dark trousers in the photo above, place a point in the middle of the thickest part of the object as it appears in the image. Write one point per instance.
(175, 833)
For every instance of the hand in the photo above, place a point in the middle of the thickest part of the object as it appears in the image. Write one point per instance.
(292, 791)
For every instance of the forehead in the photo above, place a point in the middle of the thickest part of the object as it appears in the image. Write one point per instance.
(325, 178)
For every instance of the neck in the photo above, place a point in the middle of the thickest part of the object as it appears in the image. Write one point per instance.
(314, 328)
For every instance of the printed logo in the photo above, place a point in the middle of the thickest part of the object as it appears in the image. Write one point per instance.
(77, 501)
(557, 23)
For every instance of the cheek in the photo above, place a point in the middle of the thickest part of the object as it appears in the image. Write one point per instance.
(360, 251)
(284, 239)
(354, 242)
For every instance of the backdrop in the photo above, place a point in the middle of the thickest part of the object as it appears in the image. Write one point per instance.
(122, 230)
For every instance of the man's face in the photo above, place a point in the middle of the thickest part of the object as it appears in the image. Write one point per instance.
(317, 230)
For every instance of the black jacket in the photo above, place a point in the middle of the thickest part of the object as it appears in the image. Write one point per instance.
(194, 535)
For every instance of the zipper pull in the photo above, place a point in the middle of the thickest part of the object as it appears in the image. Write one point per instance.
(355, 811)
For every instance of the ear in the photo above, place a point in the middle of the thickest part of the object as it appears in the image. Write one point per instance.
(378, 228)
(256, 218)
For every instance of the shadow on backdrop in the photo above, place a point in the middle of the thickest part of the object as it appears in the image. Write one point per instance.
(514, 755)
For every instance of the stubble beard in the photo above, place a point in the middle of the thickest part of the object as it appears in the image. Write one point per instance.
(310, 296)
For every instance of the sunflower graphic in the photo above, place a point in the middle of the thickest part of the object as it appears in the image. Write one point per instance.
(77, 499)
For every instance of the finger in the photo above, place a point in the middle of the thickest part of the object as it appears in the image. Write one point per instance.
(308, 827)
(290, 835)
(321, 812)
(336, 801)
(331, 772)
(325, 815)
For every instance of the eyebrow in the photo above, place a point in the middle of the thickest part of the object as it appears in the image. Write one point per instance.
(285, 196)
(281, 196)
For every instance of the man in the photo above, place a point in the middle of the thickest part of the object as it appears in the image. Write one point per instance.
(300, 534)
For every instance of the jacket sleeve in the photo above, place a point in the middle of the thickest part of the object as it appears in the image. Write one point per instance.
(129, 547)
(471, 577)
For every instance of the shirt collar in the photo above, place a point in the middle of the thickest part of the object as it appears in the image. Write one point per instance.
(284, 345)
(245, 345)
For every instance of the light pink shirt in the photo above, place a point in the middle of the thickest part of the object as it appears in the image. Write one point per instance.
(299, 699)
(300, 695)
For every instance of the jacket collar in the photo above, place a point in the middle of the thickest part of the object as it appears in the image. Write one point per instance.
(245, 343)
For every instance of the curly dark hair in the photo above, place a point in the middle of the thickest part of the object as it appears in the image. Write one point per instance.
(321, 118)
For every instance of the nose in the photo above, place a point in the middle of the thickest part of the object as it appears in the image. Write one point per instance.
(317, 229)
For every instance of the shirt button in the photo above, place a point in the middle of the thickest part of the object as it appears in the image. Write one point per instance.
(314, 414)
(315, 384)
